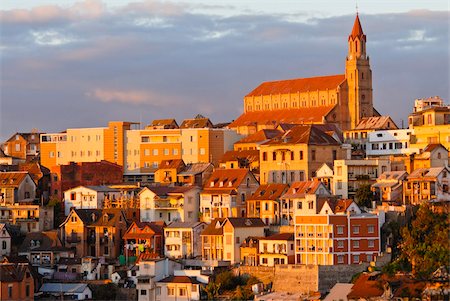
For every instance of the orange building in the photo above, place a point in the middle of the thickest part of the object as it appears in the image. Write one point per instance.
(330, 232)
(16, 282)
(340, 99)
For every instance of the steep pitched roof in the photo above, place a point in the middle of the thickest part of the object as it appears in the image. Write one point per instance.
(427, 173)
(12, 178)
(283, 116)
(195, 168)
(304, 134)
(280, 236)
(164, 123)
(245, 222)
(431, 147)
(300, 189)
(251, 155)
(215, 228)
(357, 29)
(225, 180)
(376, 123)
(11, 272)
(172, 164)
(260, 136)
(269, 192)
(155, 227)
(196, 123)
(48, 241)
(330, 82)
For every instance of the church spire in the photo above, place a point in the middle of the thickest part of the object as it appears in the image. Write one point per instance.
(357, 30)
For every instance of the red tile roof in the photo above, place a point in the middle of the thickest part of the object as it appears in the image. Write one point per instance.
(260, 136)
(226, 179)
(250, 155)
(298, 85)
(300, 189)
(304, 134)
(275, 117)
(367, 286)
(269, 192)
(376, 123)
(171, 164)
(12, 179)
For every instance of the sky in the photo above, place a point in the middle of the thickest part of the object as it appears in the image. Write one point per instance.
(69, 64)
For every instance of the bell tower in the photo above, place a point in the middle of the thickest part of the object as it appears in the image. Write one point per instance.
(359, 76)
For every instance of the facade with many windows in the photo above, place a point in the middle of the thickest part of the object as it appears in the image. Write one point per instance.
(336, 232)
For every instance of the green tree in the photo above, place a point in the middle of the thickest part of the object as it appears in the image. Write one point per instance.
(364, 196)
(242, 293)
(212, 290)
(425, 242)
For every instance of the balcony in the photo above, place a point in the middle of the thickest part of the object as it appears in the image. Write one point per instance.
(73, 239)
(168, 205)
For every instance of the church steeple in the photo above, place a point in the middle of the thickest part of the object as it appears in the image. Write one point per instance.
(358, 75)
(357, 40)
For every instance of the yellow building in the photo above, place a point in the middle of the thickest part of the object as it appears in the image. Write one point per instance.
(296, 155)
(340, 99)
(431, 123)
(85, 145)
(265, 203)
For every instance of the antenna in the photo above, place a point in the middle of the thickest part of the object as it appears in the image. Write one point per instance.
(356, 7)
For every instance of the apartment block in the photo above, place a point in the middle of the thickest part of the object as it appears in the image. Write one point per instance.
(350, 175)
(297, 154)
(336, 232)
(85, 145)
(390, 143)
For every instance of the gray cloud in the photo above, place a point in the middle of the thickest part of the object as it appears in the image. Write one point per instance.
(84, 65)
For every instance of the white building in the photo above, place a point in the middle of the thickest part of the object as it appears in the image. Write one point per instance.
(168, 204)
(75, 291)
(276, 249)
(391, 142)
(5, 241)
(180, 287)
(350, 175)
(182, 240)
(150, 271)
(88, 197)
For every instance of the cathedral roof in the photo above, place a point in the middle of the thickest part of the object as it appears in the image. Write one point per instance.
(330, 82)
(275, 117)
(357, 29)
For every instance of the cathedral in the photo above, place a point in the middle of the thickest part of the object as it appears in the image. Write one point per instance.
(342, 99)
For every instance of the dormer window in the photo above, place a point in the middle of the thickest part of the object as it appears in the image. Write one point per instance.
(221, 184)
(211, 184)
(93, 217)
(105, 218)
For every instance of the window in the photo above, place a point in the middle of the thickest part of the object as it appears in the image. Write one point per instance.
(292, 156)
(355, 258)
(166, 152)
(301, 155)
(158, 291)
(146, 152)
(4, 245)
(340, 244)
(10, 290)
(370, 229)
(106, 250)
(340, 229)
(339, 170)
(238, 240)
(334, 155)
(27, 290)
(171, 290)
(52, 154)
(302, 176)
(340, 258)
(355, 229)
(155, 152)
(266, 206)
(356, 244)
(369, 257)
(371, 243)
(264, 260)
(339, 184)
(143, 292)
(17, 147)
(313, 155)
(182, 292)
(274, 156)
(310, 205)
(202, 151)
(264, 156)
(175, 152)
(72, 196)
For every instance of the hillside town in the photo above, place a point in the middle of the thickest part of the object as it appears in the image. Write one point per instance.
(309, 194)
